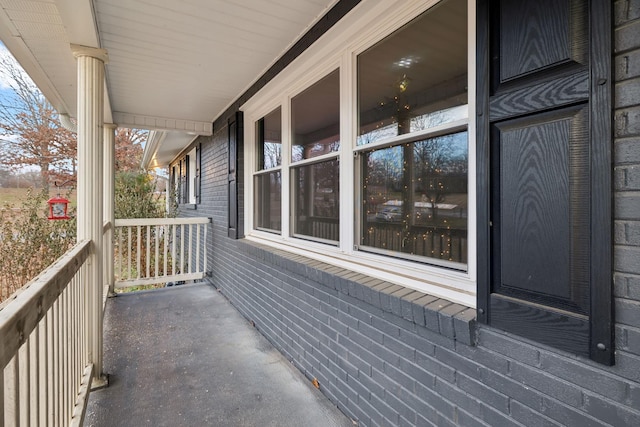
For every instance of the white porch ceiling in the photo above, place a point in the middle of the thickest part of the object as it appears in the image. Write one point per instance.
(174, 65)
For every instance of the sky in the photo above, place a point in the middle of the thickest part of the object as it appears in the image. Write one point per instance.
(4, 84)
(6, 93)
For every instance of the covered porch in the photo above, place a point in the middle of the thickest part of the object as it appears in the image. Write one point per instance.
(102, 65)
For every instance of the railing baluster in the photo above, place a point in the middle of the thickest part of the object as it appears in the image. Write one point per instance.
(129, 252)
(50, 368)
(189, 251)
(148, 261)
(42, 372)
(198, 248)
(34, 380)
(165, 243)
(77, 366)
(12, 399)
(157, 245)
(206, 230)
(60, 362)
(65, 355)
(138, 252)
(55, 410)
(73, 337)
(173, 250)
(119, 270)
(63, 358)
(82, 313)
(24, 376)
(181, 248)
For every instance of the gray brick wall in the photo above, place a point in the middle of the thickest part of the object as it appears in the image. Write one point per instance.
(627, 188)
(389, 356)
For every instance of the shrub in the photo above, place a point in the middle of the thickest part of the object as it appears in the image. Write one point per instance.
(30, 242)
(135, 196)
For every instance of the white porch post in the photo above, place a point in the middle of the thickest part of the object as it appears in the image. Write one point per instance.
(109, 196)
(91, 63)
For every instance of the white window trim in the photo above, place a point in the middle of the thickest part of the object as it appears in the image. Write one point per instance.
(318, 61)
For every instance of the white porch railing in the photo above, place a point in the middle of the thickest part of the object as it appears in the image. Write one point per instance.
(45, 368)
(160, 250)
(45, 371)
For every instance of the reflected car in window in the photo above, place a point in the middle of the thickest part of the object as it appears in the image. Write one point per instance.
(389, 214)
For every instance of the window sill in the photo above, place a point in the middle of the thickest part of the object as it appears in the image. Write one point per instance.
(451, 320)
(189, 206)
(451, 285)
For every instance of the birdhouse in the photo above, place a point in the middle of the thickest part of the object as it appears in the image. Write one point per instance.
(58, 208)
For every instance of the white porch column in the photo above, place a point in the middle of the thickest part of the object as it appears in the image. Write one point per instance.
(91, 63)
(109, 197)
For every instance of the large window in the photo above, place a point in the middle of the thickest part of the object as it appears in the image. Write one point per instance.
(315, 141)
(412, 111)
(365, 156)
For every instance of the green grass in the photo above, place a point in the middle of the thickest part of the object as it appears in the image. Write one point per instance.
(12, 196)
(15, 196)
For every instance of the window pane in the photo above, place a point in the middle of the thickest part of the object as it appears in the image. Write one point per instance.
(415, 198)
(268, 194)
(417, 77)
(315, 119)
(316, 200)
(269, 137)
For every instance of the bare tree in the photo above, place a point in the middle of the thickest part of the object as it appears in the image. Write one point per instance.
(129, 149)
(30, 131)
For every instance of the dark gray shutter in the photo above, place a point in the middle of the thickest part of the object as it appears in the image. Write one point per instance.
(185, 179)
(544, 175)
(197, 183)
(235, 144)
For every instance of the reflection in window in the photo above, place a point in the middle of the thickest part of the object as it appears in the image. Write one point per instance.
(267, 203)
(415, 198)
(315, 119)
(417, 77)
(316, 200)
(269, 137)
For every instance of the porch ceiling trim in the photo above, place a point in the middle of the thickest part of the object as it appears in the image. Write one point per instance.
(154, 140)
(333, 16)
(138, 121)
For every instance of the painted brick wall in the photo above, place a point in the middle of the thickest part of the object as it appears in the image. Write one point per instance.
(627, 185)
(390, 356)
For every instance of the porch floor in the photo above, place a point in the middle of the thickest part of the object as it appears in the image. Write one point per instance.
(183, 356)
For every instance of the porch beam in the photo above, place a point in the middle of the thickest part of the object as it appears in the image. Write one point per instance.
(90, 69)
(138, 121)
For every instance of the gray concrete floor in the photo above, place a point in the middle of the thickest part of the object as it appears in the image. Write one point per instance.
(183, 356)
